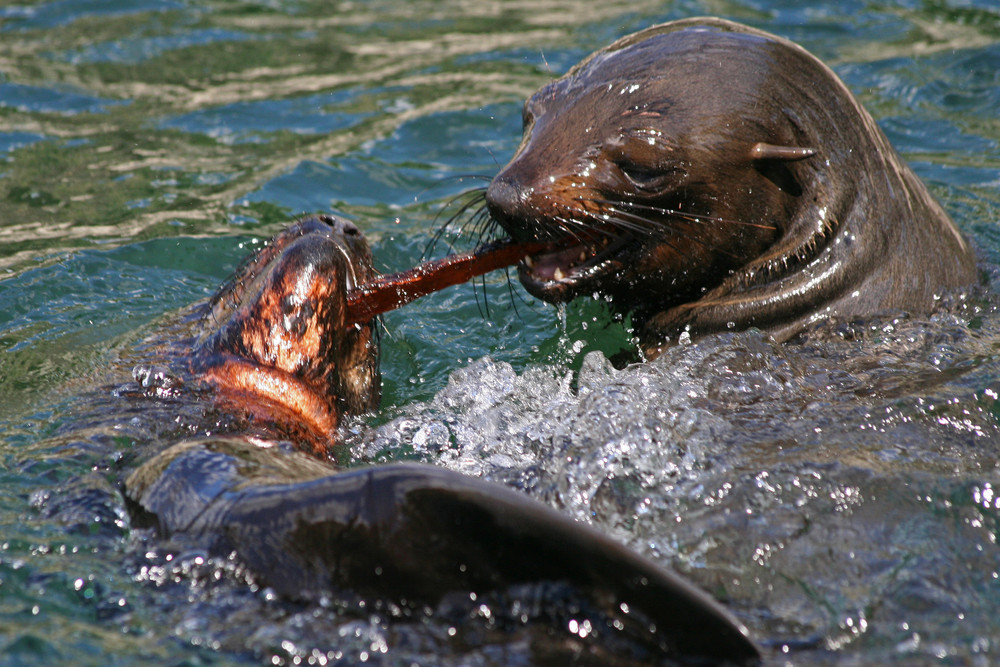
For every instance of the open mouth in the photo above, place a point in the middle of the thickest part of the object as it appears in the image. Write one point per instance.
(571, 268)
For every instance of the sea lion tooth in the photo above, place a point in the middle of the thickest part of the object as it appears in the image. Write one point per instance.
(558, 274)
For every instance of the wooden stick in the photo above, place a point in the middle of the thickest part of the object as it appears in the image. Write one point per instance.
(391, 291)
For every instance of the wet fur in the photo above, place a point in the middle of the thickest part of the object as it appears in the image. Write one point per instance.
(275, 342)
(718, 177)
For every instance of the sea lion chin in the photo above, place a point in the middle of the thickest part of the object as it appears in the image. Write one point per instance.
(708, 176)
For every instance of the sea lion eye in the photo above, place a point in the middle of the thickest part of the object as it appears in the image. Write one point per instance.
(644, 178)
(645, 160)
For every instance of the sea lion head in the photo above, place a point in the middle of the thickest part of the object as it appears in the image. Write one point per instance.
(706, 175)
(278, 343)
(646, 157)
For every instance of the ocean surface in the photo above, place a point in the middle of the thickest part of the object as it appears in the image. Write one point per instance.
(840, 494)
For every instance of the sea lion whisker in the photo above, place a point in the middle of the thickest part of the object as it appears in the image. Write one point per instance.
(607, 225)
(479, 227)
(472, 198)
(610, 225)
(687, 215)
(693, 217)
(664, 232)
(625, 218)
(352, 281)
(484, 308)
(439, 235)
(616, 221)
(573, 228)
(476, 177)
(514, 295)
(486, 225)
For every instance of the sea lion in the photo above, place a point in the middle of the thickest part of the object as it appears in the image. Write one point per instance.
(278, 346)
(710, 176)
(245, 468)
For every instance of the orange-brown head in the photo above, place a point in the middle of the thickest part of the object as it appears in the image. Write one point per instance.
(278, 346)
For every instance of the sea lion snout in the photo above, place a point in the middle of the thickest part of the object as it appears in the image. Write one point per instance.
(339, 225)
(510, 203)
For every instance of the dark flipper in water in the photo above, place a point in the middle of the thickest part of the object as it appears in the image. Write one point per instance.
(417, 531)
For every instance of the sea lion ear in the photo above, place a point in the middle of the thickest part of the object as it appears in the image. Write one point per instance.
(764, 151)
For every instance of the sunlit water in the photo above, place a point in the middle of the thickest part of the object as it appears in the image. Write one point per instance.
(840, 493)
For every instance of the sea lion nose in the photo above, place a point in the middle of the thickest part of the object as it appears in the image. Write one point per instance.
(507, 201)
(340, 225)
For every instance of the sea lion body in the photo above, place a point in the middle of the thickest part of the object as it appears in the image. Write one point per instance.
(238, 463)
(715, 177)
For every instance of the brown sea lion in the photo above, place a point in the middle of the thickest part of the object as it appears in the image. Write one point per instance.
(711, 176)
(276, 359)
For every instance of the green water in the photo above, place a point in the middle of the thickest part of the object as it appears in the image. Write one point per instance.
(147, 146)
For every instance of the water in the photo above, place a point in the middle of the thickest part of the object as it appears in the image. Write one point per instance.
(840, 495)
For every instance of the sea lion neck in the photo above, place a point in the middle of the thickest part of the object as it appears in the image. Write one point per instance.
(276, 340)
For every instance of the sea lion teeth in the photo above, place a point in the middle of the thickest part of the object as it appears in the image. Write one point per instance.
(756, 141)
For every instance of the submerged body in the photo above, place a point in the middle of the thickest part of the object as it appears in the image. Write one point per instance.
(710, 176)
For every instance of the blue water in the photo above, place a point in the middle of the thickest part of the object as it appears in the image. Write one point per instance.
(146, 147)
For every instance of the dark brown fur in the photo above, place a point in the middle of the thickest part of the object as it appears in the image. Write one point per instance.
(717, 177)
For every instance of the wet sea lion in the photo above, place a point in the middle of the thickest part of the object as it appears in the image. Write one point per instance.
(256, 392)
(710, 176)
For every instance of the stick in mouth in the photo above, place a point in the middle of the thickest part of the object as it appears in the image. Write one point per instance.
(389, 292)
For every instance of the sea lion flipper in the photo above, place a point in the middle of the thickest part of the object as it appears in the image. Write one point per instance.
(766, 151)
(406, 531)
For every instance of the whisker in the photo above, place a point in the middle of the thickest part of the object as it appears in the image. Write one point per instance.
(693, 217)
(668, 231)
(486, 301)
(512, 293)
(633, 224)
(567, 225)
(476, 224)
(606, 225)
(473, 198)
(615, 219)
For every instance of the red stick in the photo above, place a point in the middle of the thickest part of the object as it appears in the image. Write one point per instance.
(388, 292)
